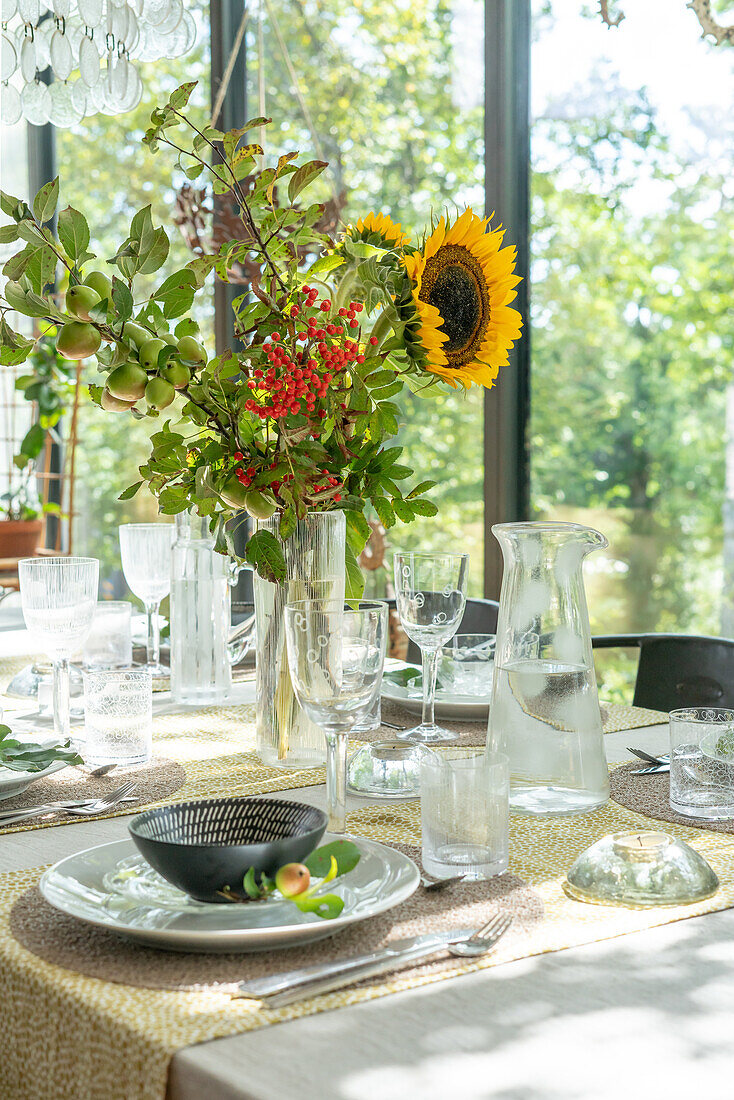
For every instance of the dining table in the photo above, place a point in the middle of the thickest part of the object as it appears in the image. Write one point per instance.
(645, 1015)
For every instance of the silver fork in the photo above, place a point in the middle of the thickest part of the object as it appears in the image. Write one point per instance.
(312, 980)
(88, 809)
(664, 758)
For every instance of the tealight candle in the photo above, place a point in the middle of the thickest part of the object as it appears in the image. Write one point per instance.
(641, 847)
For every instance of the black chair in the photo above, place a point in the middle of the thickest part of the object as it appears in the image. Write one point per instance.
(480, 617)
(678, 670)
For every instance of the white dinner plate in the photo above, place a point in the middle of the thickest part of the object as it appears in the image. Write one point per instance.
(113, 887)
(12, 782)
(460, 708)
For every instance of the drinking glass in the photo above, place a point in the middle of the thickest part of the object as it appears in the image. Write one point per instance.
(465, 797)
(336, 653)
(702, 762)
(430, 593)
(118, 716)
(146, 563)
(109, 642)
(58, 596)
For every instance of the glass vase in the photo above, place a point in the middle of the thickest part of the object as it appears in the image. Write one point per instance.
(314, 556)
(203, 645)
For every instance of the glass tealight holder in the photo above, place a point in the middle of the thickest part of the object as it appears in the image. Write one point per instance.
(639, 871)
(109, 642)
(387, 769)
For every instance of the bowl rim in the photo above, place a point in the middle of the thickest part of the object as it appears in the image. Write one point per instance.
(157, 810)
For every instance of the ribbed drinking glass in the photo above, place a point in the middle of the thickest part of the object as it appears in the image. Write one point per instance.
(59, 596)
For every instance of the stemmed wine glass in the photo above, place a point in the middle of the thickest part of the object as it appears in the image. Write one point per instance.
(59, 596)
(430, 593)
(336, 653)
(146, 563)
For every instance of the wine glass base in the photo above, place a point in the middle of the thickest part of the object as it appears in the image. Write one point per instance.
(428, 735)
(158, 672)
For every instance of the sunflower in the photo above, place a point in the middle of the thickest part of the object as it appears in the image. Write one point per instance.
(379, 229)
(462, 284)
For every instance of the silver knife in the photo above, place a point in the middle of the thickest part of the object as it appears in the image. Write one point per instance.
(655, 769)
(310, 980)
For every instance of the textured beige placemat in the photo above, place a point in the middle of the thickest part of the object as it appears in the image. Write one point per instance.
(615, 717)
(649, 795)
(215, 747)
(91, 951)
(115, 1041)
(154, 782)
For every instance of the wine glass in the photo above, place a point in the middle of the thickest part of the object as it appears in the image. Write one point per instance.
(430, 594)
(58, 596)
(336, 653)
(146, 563)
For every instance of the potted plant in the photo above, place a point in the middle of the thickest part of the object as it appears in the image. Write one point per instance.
(20, 520)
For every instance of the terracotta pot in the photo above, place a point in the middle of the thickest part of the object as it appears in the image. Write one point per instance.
(19, 538)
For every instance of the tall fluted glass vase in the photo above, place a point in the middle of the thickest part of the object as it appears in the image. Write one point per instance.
(314, 556)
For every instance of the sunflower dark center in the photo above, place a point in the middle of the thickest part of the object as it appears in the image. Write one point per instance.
(453, 282)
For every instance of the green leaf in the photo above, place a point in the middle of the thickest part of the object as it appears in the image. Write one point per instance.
(423, 487)
(28, 756)
(264, 553)
(176, 294)
(380, 378)
(250, 886)
(155, 256)
(325, 264)
(305, 175)
(8, 234)
(358, 531)
(403, 511)
(33, 441)
(354, 577)
(73, 232)
(384, 511)
(181, 96)
(122, 298)
(44, 204)
(130, 492)
(326, 906)
(345, 852)
(423, 507)
(288, 523)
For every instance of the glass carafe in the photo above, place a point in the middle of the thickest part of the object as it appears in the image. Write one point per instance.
(203, 644)
(545, 710)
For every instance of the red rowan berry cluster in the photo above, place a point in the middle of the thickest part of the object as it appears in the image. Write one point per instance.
(299, 376)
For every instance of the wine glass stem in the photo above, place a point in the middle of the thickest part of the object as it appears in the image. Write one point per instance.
(430, 670)
(62, 722)
(336, 780)
(153, 653)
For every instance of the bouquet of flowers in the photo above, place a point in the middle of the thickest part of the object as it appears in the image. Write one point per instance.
(299, 418)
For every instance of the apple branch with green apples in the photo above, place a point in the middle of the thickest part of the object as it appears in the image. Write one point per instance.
(297, 419)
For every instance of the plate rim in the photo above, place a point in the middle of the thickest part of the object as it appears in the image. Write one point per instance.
(245, 934)
(29, 777)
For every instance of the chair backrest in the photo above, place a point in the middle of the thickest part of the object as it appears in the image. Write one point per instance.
(684, 671)
(480, 617)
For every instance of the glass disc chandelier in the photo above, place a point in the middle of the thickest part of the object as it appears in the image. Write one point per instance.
(91, 47)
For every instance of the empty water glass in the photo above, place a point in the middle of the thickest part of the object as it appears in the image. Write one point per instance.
(109, 642)
(465, 797)
(58, 596)
(430, 594)
(702, 762)
(146, 563)
(118, 707)
(467, 665)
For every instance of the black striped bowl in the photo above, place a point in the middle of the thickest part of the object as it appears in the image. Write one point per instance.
(207, 845)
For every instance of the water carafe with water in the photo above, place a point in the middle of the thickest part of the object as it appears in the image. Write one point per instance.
(545, 710)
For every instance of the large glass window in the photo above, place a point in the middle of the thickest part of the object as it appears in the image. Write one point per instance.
(392, 95)
(633, 330)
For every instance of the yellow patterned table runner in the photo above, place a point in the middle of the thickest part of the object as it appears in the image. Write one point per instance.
(86, 1038)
